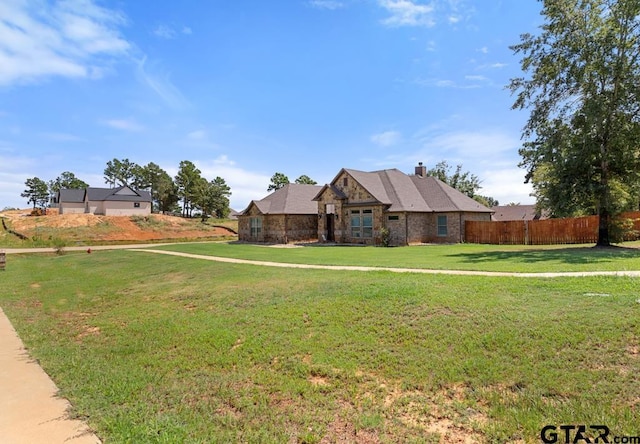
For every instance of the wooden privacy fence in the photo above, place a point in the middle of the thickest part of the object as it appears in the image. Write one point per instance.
(578, 230)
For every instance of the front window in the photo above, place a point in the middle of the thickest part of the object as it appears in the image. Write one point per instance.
(442, 226)
(355, 224)
(255, 224)
(361, 223)
(367, 223)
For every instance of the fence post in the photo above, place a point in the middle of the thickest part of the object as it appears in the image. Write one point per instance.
(3, 259)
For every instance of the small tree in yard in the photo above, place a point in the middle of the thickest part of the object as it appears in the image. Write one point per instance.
(37, 192)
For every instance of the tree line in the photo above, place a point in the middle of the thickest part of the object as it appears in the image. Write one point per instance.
(186, 193)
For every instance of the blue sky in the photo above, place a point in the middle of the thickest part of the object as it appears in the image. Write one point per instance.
(245, 88)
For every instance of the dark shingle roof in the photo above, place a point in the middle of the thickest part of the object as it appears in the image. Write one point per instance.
(441, 197)
(71, 195)
(517, 212)
(414, 193)
(292, 198)
(123, 193)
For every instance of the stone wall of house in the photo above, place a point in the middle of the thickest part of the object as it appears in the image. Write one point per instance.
(278, 228)
(301, 227)
(244, 225)
(352, 189)
(359, 199)
(397, 228)
(274, 228)
(325, 200)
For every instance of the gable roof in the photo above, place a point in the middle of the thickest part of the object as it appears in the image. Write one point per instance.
(402, 192)
(123, 193)
(292, 198)
(71, 195)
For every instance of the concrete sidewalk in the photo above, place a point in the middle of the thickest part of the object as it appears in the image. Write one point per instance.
(30, 410)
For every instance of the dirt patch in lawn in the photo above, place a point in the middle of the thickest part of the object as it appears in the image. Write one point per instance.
(90, 227)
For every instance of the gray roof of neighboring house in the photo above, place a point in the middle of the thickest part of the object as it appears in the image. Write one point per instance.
(518, 212)
(404, 192)
(102, 194)
(292, 198)
(71, 195)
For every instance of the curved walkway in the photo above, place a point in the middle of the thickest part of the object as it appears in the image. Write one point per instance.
(632, 273)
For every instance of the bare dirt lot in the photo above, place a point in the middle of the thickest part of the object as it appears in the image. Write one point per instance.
(90, 227)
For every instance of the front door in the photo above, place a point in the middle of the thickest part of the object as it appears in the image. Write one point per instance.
(330, 224)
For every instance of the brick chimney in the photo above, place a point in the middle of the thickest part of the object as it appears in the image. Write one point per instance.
(421, 170)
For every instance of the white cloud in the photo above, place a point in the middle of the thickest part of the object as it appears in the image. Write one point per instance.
(62, 137)
(506, 185)
(326, 4)
(11, 186)
(474, 145)
(16, 163)
(387, 138)
(477, 78)
(161, 84)
(469, 81)
(197, 135)
(164, 32)
(124, 124)
(484, 50)
(245, 185)
(69, 38)
(167, 32)
(407, 13)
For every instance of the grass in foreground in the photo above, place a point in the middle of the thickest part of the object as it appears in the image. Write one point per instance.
(164, 349)
(515, 258)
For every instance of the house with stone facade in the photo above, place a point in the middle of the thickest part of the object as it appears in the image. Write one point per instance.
(121, 201)
(360, 207)
(289, 214)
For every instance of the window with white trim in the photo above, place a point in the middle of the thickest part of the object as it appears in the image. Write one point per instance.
(442, 226)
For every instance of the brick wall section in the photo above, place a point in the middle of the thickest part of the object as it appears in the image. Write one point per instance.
(278, 228)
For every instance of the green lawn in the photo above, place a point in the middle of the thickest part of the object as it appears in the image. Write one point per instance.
(163, 349)
(455, 257)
